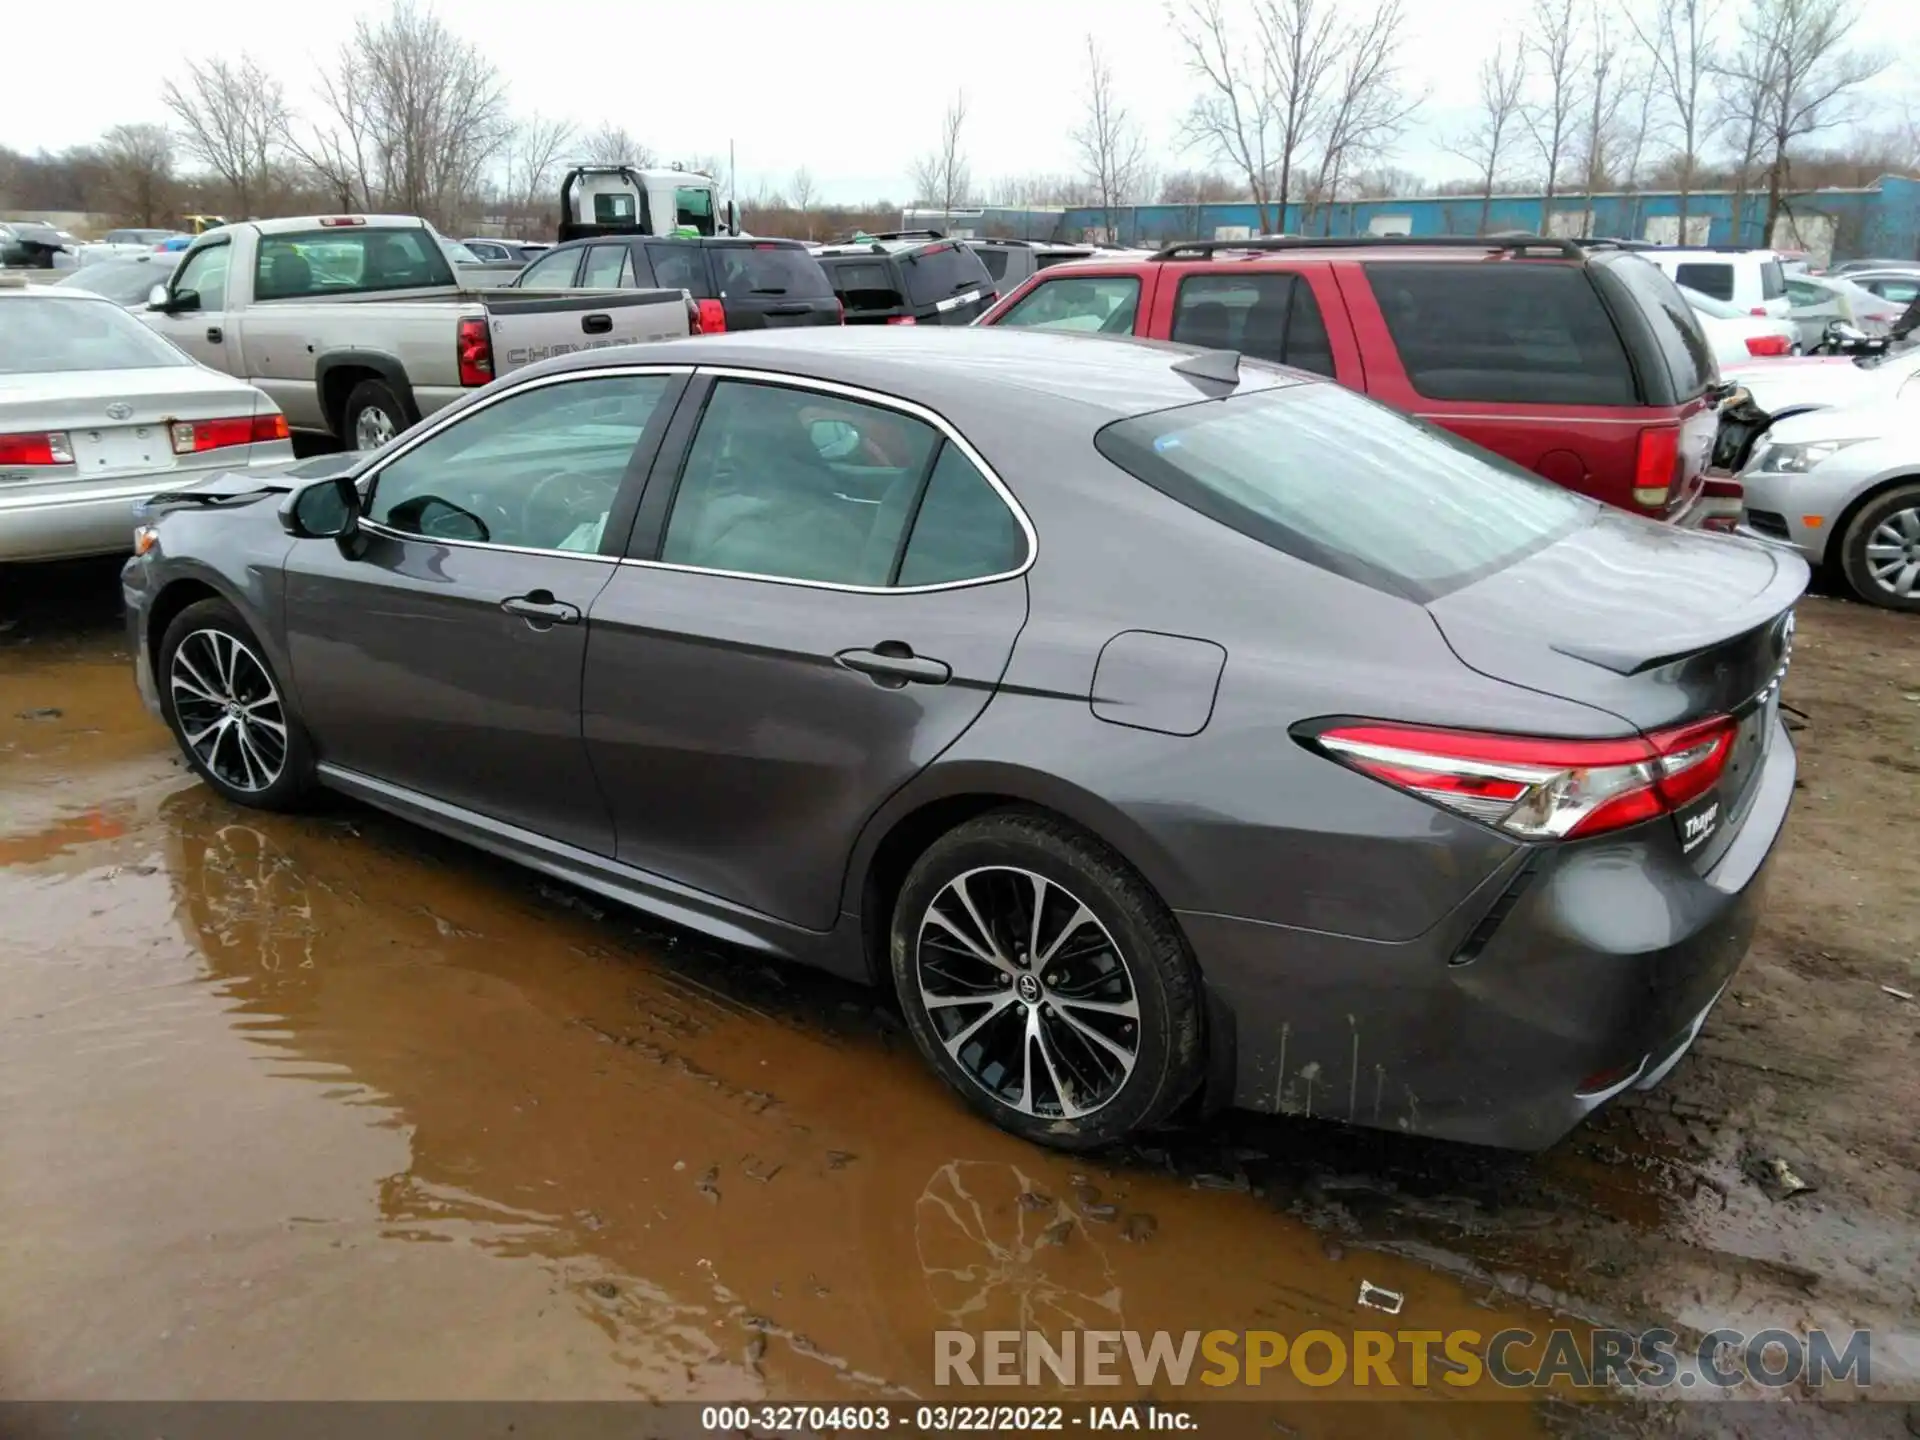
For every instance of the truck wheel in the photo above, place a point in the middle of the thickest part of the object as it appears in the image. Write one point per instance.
(373, 415)
(1880, 552)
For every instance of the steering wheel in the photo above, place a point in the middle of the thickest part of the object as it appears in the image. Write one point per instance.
(560, 501)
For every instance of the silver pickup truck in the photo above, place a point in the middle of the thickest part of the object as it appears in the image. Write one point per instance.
(357, 326)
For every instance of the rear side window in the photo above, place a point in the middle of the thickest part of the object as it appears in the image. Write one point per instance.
(865, 284)
(1504, 331)
(1344, 483)
(678, 267)
(1269, 316)
(1773, 280)
(1805, 292)
(1682, 343)
(1714, 280)
(550, 272)
(769, 271)
(940, 272)
(994, 262)
(963, 531)
(1093, 304)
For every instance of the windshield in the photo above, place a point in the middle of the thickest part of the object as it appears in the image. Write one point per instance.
(48, 335)
(459, 254)
(125, 282)
(1344, 483)
(771, 270)
(942, 271)
(1707, 305)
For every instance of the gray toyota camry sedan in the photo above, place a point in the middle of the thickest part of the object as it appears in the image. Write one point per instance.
(1167, 729)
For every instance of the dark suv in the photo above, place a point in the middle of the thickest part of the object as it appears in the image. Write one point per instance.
(909, 277)
(1012, 262)
(737, 283)
(1582, 363)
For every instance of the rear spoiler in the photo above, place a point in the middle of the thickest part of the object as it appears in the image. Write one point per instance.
(1789, 583)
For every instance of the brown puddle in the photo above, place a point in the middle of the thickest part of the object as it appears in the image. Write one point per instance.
(325, 1107)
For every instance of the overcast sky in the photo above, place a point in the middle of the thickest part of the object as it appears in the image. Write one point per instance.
(851, 89)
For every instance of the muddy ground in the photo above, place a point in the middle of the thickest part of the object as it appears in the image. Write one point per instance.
(325, 1107)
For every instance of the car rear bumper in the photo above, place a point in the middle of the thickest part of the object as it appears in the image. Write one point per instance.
(1574, 973)
(70, 521)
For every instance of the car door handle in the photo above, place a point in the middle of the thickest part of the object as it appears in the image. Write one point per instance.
(596, 324)
(893, 664)
(215, 334)
(539, 609)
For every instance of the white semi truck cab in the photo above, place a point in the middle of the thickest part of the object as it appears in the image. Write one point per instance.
(620, 200)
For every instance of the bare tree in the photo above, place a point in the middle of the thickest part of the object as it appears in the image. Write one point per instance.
(613, 145)
(1601, 98)
(802, 188)
(1792, 77)
(1236, 116)
(1112, 152)
(1555, 44)
(532, 155)
(1302, 46)
(942, 177)
(232, 115)
(1488, 145)
(138, 160)
(1679, 46)
(1367, 106)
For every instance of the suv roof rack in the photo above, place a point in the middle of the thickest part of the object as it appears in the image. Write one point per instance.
(1200, 249)
(903, 234)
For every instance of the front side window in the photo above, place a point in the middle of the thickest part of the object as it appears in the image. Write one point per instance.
(550, 272)
(1508, 331)
(679, 267)
(793, 484)
(539, 469)
(204, 272)
(1271, 316)
(45, 335)
(1093, 304)
(1345, 483)
(693, 206)
(346, 260)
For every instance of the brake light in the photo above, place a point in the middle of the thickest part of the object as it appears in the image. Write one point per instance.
(902, 320)
(1758, 310)
(713, 318)
(474, 349)
(190, 437)
(1654, 466)
(46, 447)
(1536, 788)
(330, 221)
(1767, 345)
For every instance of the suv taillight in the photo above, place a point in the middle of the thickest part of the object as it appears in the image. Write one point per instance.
(902, 320)
(475, 350)
(713, 318)
(1654, 466)
(1536, 788)
(1767, 345)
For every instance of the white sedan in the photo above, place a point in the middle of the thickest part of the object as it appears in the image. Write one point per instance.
(97, 413)
(1785, 387)
(1737, 337)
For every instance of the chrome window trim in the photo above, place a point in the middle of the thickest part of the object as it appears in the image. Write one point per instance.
(365, 483)
(791, 381)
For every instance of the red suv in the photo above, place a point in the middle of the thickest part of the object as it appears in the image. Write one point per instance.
(1581, 363)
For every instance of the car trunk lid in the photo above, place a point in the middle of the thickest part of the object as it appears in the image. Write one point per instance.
(117, 423)
(1656, 626)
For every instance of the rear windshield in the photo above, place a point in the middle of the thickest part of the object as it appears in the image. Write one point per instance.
(1715, 279)
(45, 335)
(1505, 331)
(347, 260)
(864, 284)
(994, 262)
(773, 271)
(942, 271)
(1344, 483)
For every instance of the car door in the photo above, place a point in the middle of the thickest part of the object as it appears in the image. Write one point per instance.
(445, 656)
(202, 331)
(822, 591)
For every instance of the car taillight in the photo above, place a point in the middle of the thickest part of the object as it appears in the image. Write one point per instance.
(43, 447)
(1654, 465)
(713, 318)
(1758, 310)
(1767, 345)
(474, 348)
(1537, 788)
(190, 437)
(839, 312)
(902, 320)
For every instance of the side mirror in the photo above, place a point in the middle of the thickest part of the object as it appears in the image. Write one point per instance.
(325, 510)
(733, 221)
(182, 301)
(157, 298)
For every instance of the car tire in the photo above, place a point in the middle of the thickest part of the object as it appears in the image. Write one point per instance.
(372, 416)
(1115, 946)
(1880, 523)
(229, 711)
